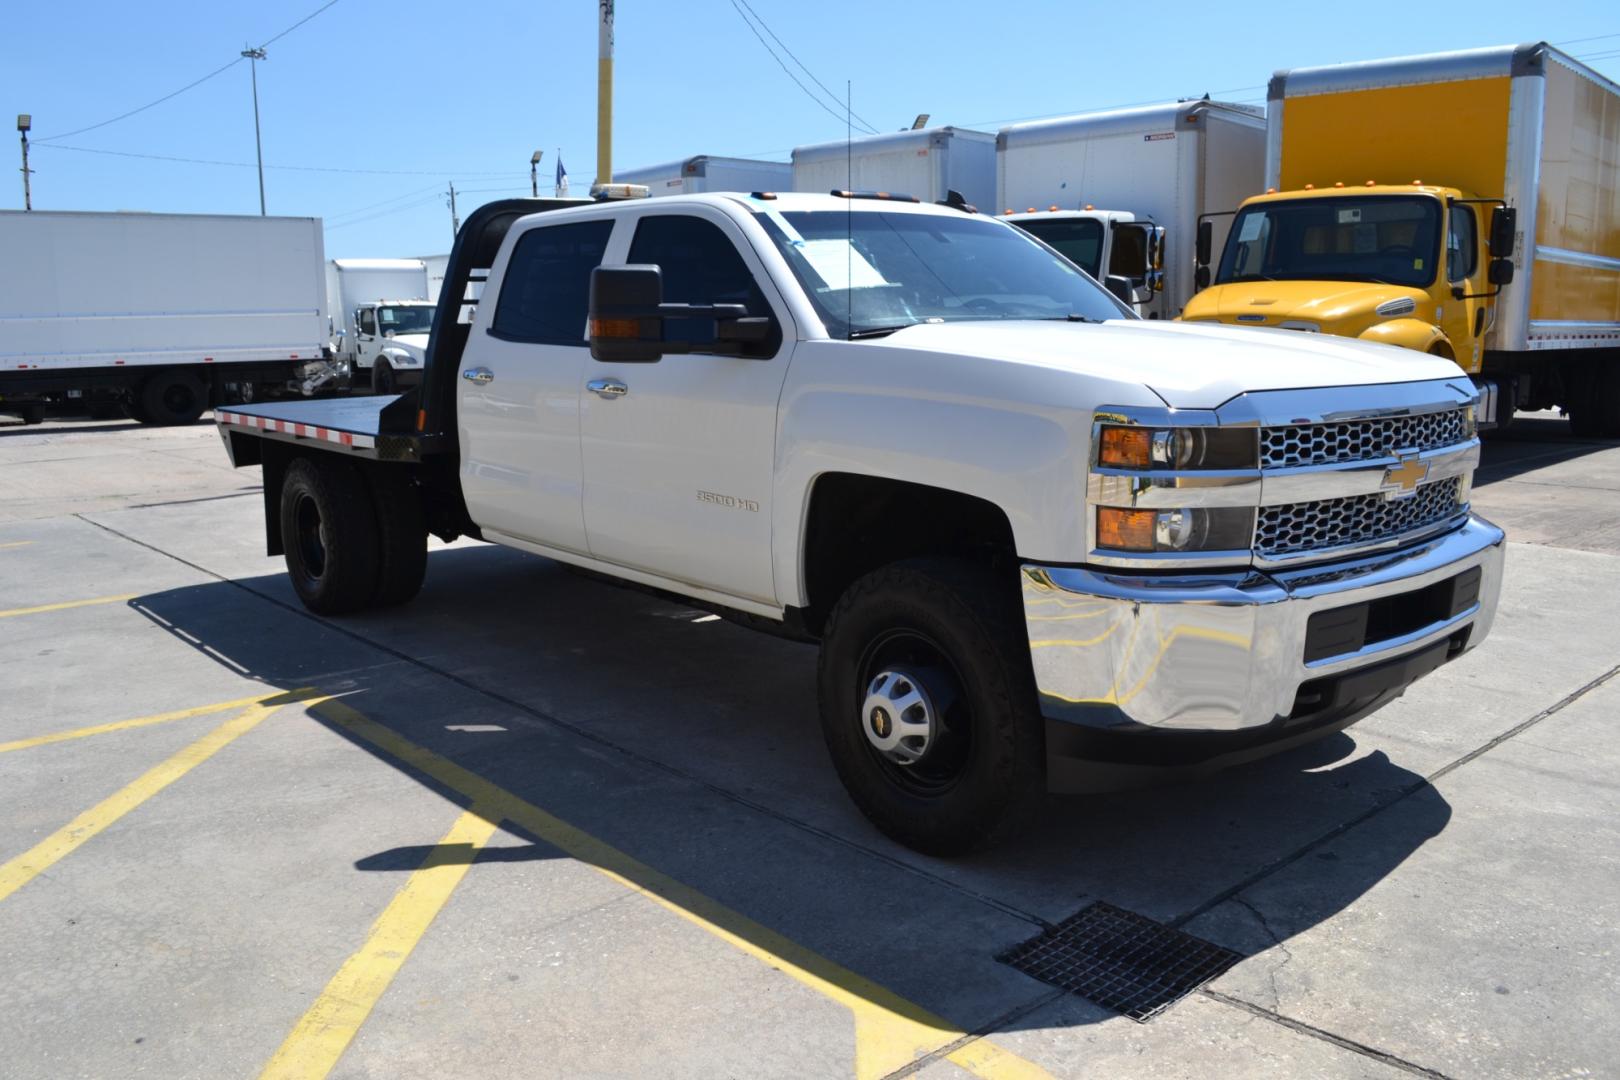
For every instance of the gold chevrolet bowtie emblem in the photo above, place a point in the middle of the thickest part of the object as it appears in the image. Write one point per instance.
(1402, 480)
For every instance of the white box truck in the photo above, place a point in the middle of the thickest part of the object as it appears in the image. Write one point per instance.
(436, 265)
(708, 173)
(382, 312)
(160, 314)
(1167, 164)
(928, 163)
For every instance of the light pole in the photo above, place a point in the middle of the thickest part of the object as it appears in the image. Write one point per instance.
(253, 58)
(24, 122)
(534, 173)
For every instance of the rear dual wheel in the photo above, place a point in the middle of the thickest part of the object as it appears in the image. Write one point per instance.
(1594, 413)
(350, 541)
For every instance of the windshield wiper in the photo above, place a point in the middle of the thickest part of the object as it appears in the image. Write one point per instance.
(876, 331)
(1073, 316)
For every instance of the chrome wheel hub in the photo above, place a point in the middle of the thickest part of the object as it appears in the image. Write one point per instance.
(898, 718)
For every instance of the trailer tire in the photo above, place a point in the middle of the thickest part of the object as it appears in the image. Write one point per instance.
(382, 378)
(172, 398)
(1594, 413)
(401, 536)
(949, 629)
(329, 532)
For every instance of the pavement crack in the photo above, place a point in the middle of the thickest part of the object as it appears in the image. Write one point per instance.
(1278, 942)
(1311, 1031)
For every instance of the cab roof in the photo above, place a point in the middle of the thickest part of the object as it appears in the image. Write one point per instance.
(1344, 188)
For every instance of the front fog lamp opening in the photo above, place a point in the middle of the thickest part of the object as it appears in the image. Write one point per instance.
(1185, 530)
(1178, 448)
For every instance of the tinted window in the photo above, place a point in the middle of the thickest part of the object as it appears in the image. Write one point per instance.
(1462, 245)
(1129, 257)
(368, 321)
(1077, 239)
(546, 292)
(700, 266)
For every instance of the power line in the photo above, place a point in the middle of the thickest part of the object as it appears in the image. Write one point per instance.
(1577, 41)
(811, 94)
(188, 86)
(285, 168)
(802, 68)
(384, 202)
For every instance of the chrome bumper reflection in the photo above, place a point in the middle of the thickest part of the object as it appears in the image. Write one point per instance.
(1225, 652)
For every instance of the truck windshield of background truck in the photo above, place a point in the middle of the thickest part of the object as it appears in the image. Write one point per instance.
(405, 320)
(1392, 239)
(869, 272)
(1079, 240)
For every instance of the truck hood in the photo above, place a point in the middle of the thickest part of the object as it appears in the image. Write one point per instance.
(1188, 365)
(416, 344)
(1268, 303)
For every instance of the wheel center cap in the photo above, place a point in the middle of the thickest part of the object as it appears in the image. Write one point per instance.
(881, 723)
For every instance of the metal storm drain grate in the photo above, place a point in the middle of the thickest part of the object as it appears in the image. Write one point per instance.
(1121, 960)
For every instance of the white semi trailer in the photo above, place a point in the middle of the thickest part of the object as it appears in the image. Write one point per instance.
(160, 314)
(928, 163)
(1163, 164)
(708, 173)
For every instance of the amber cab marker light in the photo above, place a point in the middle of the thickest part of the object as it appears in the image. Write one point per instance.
(1125, 448)
(615, 328)
(1125, 530)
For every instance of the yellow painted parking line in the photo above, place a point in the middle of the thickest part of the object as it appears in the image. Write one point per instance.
(15, 544)
(63, 842)
(318, 1039)
(146, 721)
(42, 608)
(890, 1032)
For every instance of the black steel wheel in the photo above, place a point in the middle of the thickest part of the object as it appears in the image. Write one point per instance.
(329, 536)
(928, 704)
(382, 378)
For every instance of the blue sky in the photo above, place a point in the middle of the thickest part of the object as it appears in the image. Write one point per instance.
(424, 94)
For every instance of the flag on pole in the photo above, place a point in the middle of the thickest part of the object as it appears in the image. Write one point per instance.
(562, 176)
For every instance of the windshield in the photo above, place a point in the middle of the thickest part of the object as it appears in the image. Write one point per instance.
(1079, 240)
(405, 320)
(1394, 239)
(871, 271)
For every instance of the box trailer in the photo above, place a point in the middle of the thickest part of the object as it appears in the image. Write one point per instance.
(707, 173)
(1161, 165)
(1465, 204)
(164, 314)
(927, 163)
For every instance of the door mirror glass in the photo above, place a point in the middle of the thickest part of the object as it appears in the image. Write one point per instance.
(1501, 271)
(1504, 224)
(1130, 257)
(626, 326)
(1201, 277)
(1206, 240)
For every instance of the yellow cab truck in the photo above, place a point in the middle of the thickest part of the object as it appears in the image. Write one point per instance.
(1463, 204)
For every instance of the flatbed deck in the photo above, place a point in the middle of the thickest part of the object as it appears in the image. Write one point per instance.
(364, 426)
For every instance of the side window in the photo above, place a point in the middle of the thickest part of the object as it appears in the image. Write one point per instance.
(368, 320)
(1129, 257)
(700, 266)
(547, 290)
(1462, 246)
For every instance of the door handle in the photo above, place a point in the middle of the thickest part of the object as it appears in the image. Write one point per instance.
(479, 375)
(608, 388)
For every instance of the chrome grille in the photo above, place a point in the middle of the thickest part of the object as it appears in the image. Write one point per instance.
(1359, 519)
(1359, 440)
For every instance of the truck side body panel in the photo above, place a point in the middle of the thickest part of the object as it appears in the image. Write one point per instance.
(87, 291)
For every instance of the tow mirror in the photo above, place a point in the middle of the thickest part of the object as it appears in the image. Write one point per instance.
(1500, 272)
(628, 319)
(1206, 240)
(1120, 286)
(1504, 224)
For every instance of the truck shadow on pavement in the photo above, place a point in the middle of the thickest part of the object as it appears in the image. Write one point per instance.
(683, 755)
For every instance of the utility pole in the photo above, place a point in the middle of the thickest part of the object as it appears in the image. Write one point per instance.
(604, 94)
(24, 123)
(455, 222)
(534, 173)
(253, 58)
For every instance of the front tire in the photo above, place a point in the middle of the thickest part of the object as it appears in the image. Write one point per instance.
(382, 378)
(329, 536)
(928, 705)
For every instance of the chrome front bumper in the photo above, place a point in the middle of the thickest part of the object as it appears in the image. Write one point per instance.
(1224, 654)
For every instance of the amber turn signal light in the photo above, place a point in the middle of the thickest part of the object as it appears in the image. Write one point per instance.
(616, 328)
(1125, 530)
(1125, 448)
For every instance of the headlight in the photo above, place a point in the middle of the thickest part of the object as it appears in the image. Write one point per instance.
(1219, 528)
(1121, 447)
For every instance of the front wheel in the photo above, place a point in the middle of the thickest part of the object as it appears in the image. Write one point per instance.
(928, 705)
(382, 378)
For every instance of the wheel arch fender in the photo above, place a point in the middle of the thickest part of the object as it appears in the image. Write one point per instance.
(1414, 334)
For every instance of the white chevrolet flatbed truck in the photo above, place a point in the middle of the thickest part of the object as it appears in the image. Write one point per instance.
(1043, 544)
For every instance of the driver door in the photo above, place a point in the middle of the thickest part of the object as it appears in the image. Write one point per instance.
(365, 336)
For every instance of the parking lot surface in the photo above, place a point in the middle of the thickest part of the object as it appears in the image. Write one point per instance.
(535, 825)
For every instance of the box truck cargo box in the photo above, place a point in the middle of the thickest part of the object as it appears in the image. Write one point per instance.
(707, 173)
(927, 163)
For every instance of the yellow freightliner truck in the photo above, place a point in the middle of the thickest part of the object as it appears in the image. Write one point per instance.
(1465, 204)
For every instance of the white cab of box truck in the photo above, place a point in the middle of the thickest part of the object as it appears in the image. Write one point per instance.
(928, 163)
(161, 315)
(386, 313)
(1042, 543)
(708, 173)
(1122, 251)
(1166, 164)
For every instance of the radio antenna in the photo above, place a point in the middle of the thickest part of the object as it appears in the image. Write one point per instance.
(849, 215)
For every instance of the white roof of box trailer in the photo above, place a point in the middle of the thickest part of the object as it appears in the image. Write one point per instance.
(696, 165)
(378, 264)
(1498, 60)
(896, 140)
(1170, 116)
